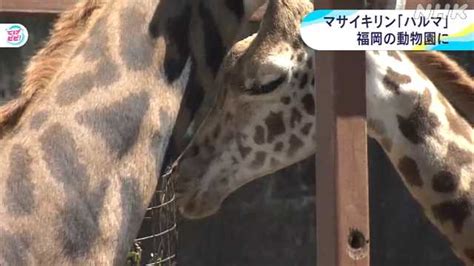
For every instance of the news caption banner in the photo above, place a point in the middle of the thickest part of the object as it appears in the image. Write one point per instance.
(13, 35)
(350, 30)
(409, 30)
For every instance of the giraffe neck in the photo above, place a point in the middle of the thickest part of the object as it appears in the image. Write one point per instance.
(428, 142)
(83, 157)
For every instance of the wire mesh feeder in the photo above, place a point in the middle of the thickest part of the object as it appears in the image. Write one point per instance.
(157, 240)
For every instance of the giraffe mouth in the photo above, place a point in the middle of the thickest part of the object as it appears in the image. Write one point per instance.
(192, 202)
(189, 202)
(197, 206)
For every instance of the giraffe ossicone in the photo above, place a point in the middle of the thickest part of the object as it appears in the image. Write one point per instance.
(264, 120)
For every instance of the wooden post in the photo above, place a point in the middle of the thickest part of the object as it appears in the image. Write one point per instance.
(35, 6)
(342, 204)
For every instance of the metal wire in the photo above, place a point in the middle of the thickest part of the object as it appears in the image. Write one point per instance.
(157, 239)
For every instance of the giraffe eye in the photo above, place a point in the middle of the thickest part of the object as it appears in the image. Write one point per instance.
(267, 87)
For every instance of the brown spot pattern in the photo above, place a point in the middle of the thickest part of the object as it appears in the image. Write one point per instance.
(244, 151)
(300, 57)
(275, 125)
(376, 126)
(20, 197)
(456, 211)
(72, 89)
(295, 117)
(303, 81)
(234, 160)
(39, 119)
(285, 100)
(393, 80)
(259, 136)
(420, 123)
(118, 124)
(409, 169)
(78, 220)
(259, 160)
(295, 144)
(274, 162)
(95, 46)
(395, 55)
(309, 63)
(306, 128)
(308, 104)
(131, 204)
(447, 180)
(278, 146)
(14, 248)
(458, 155)
(136, 45)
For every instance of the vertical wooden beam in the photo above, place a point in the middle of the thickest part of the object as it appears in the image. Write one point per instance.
(342, 204)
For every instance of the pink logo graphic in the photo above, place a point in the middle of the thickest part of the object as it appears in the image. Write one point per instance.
(15, 35)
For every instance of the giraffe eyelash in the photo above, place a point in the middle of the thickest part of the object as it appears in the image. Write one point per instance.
(266, 88)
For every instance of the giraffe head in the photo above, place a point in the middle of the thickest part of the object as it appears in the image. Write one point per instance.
(251, 131)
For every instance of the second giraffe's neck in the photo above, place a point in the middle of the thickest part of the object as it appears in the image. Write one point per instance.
(430, 145)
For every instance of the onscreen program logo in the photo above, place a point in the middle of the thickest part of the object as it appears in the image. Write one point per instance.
(13, 35)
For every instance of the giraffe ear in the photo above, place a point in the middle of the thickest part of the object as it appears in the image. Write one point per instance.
(257, 16)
